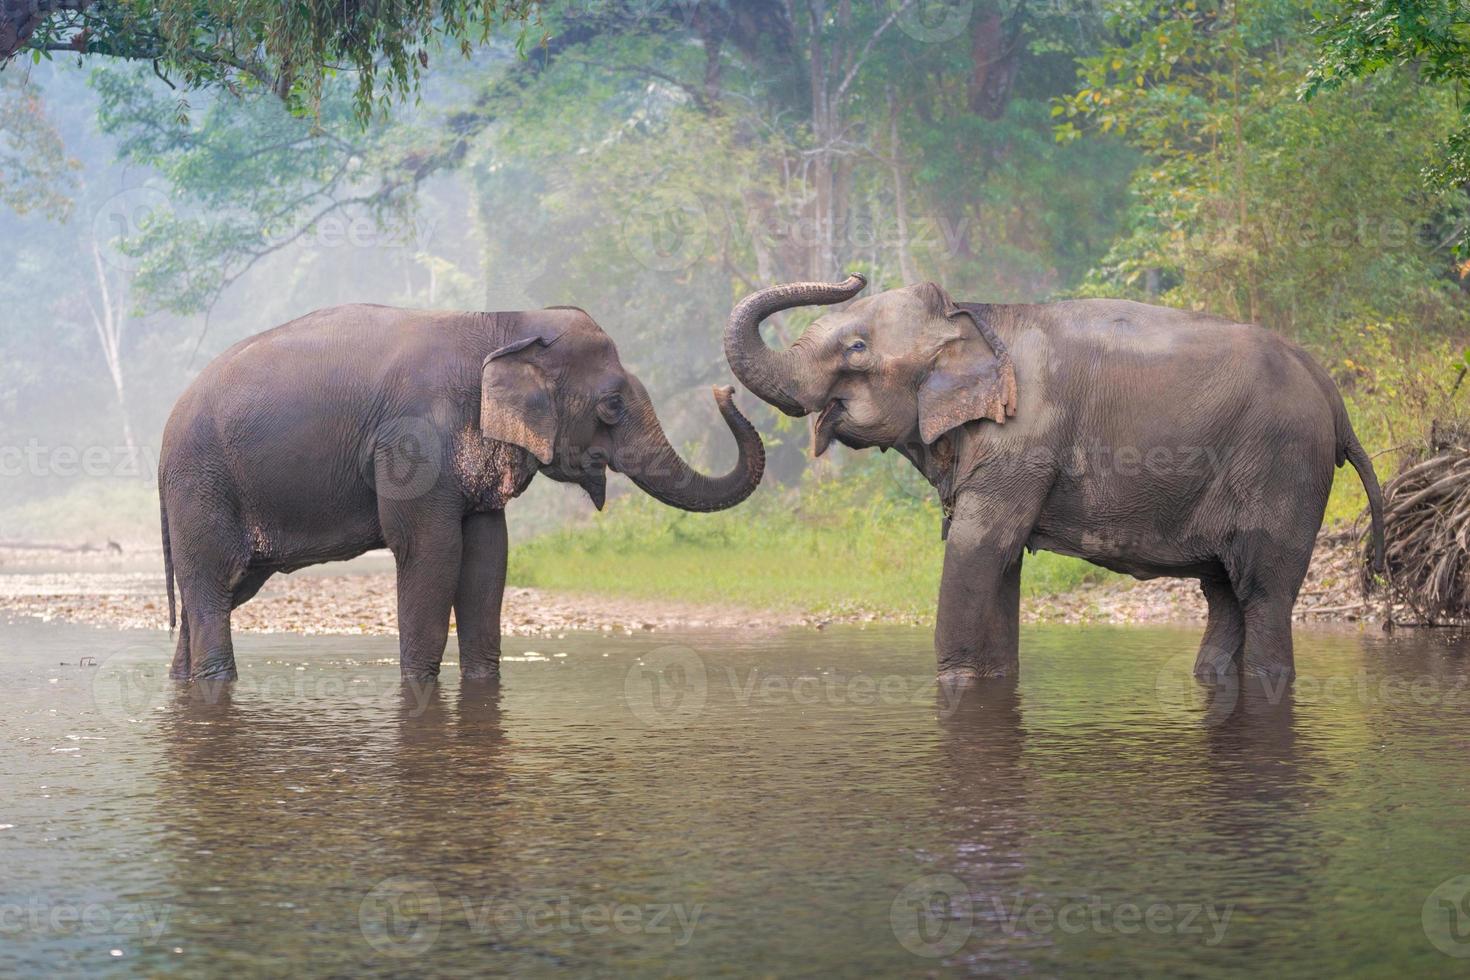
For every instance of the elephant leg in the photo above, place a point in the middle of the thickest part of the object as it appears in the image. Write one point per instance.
(207, 579)
(1268, 646)
(1224, 639)
(977, 631)
(223, 667)
(425, 538)
(1266, 588)
(179, 669)
(211, 649)
(478, 595)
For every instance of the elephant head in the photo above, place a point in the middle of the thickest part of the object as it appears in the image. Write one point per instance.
(902, 366)
(560, 393)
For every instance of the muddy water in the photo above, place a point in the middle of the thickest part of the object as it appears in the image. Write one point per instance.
(798, 804)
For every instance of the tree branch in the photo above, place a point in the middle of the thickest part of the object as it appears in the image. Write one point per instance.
(868, 49)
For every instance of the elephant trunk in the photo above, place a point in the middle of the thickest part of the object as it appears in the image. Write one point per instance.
(644, 455)
(768, 373)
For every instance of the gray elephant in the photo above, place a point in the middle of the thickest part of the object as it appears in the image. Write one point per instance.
(357, 427)
(1150, 441)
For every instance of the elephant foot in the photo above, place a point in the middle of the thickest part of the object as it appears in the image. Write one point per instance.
(419, 675)
(1216, 667)
(479, 667)
(1273, 670)
(222, 672)
(958, 677)
(964, 675)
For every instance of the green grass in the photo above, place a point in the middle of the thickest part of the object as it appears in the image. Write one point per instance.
(839, 547)
(87, 511)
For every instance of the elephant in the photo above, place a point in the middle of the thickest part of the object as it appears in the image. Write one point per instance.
(1150, 441)
(359, 427)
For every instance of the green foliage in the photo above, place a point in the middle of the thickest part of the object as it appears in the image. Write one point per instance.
(247, 179)
(1303, 216)
(36, 174)
(1428, 39)
(290, 49)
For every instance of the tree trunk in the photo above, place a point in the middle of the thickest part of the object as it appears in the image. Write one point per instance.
(906, 268)
(19, 19)
(110, 319)
(994, 59)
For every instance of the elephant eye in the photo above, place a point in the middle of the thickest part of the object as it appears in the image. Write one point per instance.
(610, 409)
(857, 347)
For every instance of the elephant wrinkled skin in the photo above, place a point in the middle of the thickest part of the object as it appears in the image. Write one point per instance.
(357, 427)
(1150, 441)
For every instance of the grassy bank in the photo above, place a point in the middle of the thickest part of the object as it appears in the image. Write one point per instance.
(861, 543)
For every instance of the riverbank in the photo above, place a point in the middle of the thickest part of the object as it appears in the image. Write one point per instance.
(107, 590)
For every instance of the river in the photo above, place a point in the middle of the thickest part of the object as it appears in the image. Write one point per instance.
(794, 803)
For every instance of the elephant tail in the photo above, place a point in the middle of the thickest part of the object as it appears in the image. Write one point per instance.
(1353, 450)
(1350, 450)
(168, 561)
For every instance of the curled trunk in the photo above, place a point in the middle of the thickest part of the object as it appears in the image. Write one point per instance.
(768, 373)
(644, 455)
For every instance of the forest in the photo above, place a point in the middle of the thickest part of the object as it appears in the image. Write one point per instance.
(1302, 165)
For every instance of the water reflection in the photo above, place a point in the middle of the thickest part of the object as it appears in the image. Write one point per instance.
(983, 802)
(320, 816)
(261, 803)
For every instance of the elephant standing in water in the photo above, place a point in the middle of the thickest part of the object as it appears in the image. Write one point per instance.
(1150, 441)
(357, 427)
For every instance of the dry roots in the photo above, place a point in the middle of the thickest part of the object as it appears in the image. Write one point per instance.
(1426, 509)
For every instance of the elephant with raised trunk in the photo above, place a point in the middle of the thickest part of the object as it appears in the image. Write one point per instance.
(357, 427)
(1150, 441)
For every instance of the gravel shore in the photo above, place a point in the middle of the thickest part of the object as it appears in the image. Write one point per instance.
(358, 599)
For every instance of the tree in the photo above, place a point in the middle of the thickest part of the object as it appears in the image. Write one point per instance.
(1430, 39)
(35, 172)
(1304, 216)
(288, 49)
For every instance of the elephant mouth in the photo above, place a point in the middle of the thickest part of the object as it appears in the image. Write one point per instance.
(826, 425)
(594, 481)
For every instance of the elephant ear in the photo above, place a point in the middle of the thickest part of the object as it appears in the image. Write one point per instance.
(516, 404)
(971, 376)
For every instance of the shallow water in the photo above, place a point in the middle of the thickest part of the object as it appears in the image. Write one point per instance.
(804, 803)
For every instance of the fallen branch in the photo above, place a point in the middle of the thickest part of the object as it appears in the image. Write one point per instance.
(1426, 510)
